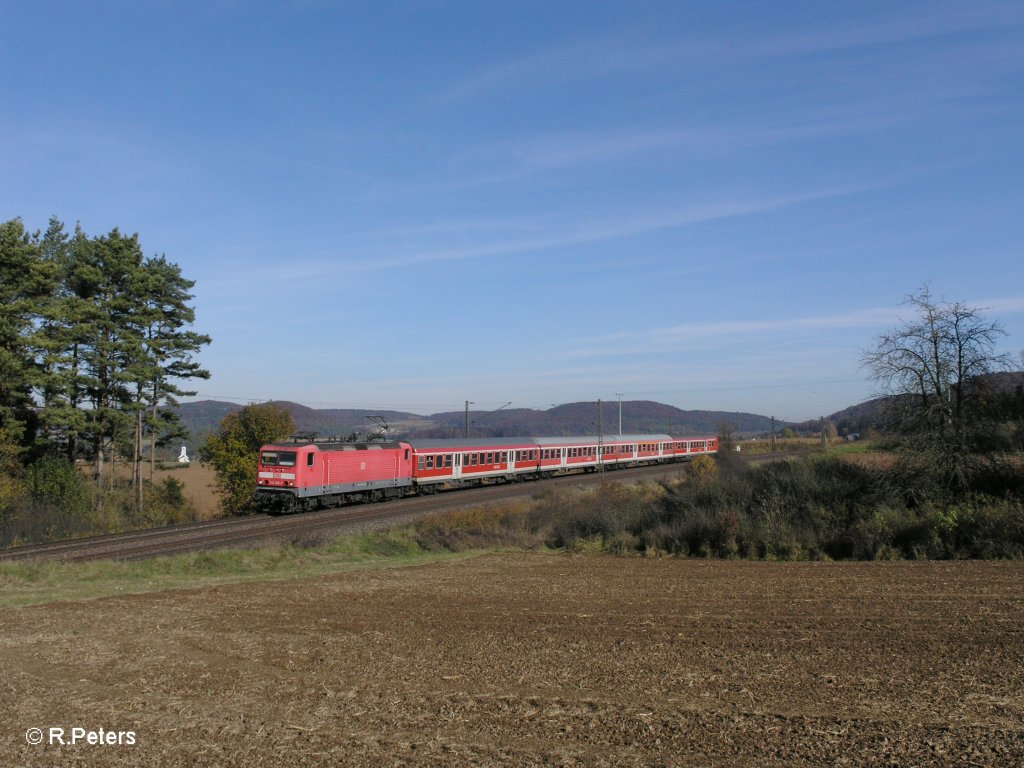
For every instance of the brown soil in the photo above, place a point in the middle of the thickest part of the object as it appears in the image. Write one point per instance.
(536, 660)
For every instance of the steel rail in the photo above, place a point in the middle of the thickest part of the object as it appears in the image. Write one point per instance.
(260, 528)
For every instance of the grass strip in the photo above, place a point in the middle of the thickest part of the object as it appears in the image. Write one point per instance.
(40, 582)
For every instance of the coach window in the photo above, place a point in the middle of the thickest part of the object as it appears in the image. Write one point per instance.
(448, 460)
(421, 462)
(430, 462)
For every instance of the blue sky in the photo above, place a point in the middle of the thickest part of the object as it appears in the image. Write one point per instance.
(407, 205)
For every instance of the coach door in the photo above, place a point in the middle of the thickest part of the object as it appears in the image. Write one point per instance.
(457, 467)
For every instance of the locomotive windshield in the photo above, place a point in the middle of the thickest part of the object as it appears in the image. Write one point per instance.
(278, 458)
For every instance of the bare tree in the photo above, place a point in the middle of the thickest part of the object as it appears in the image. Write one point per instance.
(932, 367)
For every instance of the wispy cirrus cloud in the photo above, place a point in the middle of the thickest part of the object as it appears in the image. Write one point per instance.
(641, 48)
(660, 339)
(684, 335)
(560, 236)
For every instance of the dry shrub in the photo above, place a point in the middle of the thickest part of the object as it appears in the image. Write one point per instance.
(488, 526)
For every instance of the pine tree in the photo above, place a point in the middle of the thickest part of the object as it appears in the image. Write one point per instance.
(26, 282)
(169, 350)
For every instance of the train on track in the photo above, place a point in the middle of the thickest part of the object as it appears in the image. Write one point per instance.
(304, 475)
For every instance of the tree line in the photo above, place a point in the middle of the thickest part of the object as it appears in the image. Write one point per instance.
(95, 339)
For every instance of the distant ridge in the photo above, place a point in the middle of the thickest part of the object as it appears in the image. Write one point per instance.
(870, 414)
(638, 416)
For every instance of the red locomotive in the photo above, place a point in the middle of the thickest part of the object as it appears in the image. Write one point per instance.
(307, 475)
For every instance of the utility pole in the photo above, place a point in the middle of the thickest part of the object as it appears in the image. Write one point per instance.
(478, 419)
(600, 437)
(773, 434)
(619, 394)
(822, 421)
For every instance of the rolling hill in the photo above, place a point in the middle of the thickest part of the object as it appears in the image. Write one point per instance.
(638, 416)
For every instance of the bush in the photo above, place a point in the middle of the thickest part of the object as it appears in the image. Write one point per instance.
(52, 502)
(480, 527)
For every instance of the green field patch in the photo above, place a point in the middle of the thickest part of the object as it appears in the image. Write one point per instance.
(40, 582)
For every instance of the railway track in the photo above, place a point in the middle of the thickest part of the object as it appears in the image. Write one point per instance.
(260, 528)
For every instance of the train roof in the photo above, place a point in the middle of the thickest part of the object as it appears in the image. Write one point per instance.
(607, 439)
(458, 443)
(471, 442)
(462, 443)
(337, 445)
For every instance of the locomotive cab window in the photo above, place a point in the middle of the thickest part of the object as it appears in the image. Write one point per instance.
(278, 458)
(309, 459)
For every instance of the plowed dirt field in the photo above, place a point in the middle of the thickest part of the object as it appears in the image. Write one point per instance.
(533, 659)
